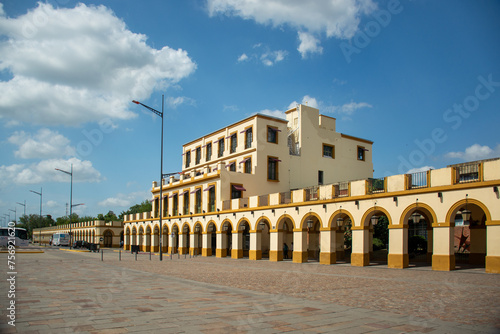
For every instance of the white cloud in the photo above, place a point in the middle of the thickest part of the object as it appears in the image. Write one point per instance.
(81, 65)
(420, 169)
(308, 44)
(44, 171)
(44, 144)
(2, 12)
(475, 152)
(174, 102)
(243, 57)
(272, 57)
(306, 100)
(350, 108)
(335, 18)
(125, 200)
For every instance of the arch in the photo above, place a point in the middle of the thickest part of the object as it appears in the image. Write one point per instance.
(212, 222)
(266, 221)
(333, 217)
(175, 226)
(148, 229)
(141, 229)
(127, 230)
(227, 220)
(470, 201)
(197, 223)
(108, 238)
(307, 216)
(184, 226)
(242, 221)
(426, 211)
(281, 221)
(370, 212)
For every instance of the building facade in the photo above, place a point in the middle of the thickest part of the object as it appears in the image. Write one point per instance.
(249, 190)
(91, 231)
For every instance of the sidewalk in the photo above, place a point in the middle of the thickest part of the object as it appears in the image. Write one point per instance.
(65, 292)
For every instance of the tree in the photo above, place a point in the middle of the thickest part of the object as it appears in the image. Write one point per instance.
(110, 216)
(381, 230)
(145, 206)
(29, 222)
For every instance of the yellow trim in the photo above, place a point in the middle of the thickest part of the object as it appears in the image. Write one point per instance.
(230, 225)
(454, 208)
(267, 221)
(429, 178)
(443, 262)
(323, 151)
(306, 217)
(492, 223)
(364, 154)
(215, 197)
(277, 169)
(371, 211)
(230, 164)
(244, 164)
(275, 128)
(282, 218)
(412, 208)
(333, 218)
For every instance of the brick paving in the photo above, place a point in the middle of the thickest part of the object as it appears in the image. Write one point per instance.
(66, 292)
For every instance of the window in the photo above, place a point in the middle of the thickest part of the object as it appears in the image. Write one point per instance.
(197, 201)
(165, 206)
(272, 168)
(234, 143)
(188, 158)
(361, 153)
(248, 166)
(320, 177)
(272, 135)
(186, 202)
(175, 205)
(232, 166)
(157, 207)
(328, 151)
(248, 138)
(221, 147)
(237, 191)
(198, 155)
(209, 152)
(211, 199)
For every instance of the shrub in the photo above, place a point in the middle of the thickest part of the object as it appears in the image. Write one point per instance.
(378, 244)
(417, 244)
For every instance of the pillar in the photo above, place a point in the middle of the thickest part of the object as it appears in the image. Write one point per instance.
(207, 244)
(443, 256)
(222, 243)
(328, 242)
(237, 251)
(193, 250)
(300, 246)
(398, 247)
(126, 242)
(360, 256)
(255, 252)
(182, 243)
(477, 245)
(164, 242)
(493, 248)
(276, 245)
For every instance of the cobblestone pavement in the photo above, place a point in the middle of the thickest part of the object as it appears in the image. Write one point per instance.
(64, 292)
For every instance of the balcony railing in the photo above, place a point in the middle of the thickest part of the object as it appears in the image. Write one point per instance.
(375, 186)
(286, 197)
(264, 200)
(312, 193)
(417, 180)
(226, 205)
(341, 189)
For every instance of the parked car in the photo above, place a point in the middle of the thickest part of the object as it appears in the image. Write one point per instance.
(81, 244)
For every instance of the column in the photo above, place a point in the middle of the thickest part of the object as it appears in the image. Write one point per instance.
(299, 246)
(398, 247)
(193, 242)
(477, 245)
(443, 256)
(360, 256)
(276, 245)
(237, 251)
(154, 242)
(207, 244)
(182, 243)
(255, 252)
(328, 245)
(126, 242)
(493, 248)
(222, 243)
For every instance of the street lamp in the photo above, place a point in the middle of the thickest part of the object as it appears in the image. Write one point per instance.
(161, 162)
(15, 216)
(41, 218)
(23, 205)
(70, 202)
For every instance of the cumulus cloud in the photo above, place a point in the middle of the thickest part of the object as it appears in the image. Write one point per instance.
(273, 57)
(475, 152)
(264, 54)
(124, 200)
(44, 144)
(243, 57)
(308, 44)
(273, 113)
(44, 171)
(306, 100)
(81, 65)
(174, 102)
(419, 169)
(350, 108)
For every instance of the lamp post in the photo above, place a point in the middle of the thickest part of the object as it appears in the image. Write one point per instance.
(15, 216)
(41, 218)
(24, 206)
(70, 202)
(161, 165)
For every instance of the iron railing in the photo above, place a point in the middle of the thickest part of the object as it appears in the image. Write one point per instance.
(375, 186)
(417, 180)
(467, 173)
(312, 193)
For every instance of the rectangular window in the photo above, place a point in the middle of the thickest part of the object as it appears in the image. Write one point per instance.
(248, 138)
(211, 199)
(157, 207)
(209, 152)
(328, 151)
(197, 196)
(361, 153)
(237, 191)
(272, 135)
(165, 206)
(234, 143)
(232, 166)
(221, 147)
(198, 155)
(186, 202)
(320, 177)
(272, 168)
(248, 166)
(188, 159)
(175, 205)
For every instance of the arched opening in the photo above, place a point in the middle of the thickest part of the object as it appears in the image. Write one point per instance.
(164, 239)
(198, 242)
(156, 239)
(469, 242)
(186, 242)
(174, 249)
(108, 238)
(147, 237)
(343, 235)
(285, 237)
(245, 238)
(140, 239)
(313, 227)
(127, 242)
(265, 238)
(212, 238)
(226, 239)
(418, 218)
(379, 237)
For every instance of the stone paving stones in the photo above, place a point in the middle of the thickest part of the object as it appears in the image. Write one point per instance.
(66, 292)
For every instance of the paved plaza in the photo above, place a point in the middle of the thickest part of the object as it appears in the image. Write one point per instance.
(60, 291)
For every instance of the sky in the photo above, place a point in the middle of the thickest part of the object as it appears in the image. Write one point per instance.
(420, 78)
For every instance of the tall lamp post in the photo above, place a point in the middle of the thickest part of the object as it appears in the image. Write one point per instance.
(70, 203)
(23, 205)
(15, 215)
(41, 218)
(161, 166)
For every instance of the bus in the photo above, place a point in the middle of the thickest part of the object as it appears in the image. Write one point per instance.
(60, 239)
(13, 236)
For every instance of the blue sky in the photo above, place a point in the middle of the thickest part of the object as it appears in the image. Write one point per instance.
(419, 78)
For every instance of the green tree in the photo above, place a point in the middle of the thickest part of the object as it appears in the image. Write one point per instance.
(145, 206)
(110, 216)
(381, 230)
(29, 222)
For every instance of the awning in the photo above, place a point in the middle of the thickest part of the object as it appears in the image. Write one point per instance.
(194, 191)
(184, 192)
(239, 188)
(246, 130)
(210, 187)
(244, 160)
(229, 164)
(171, 196)
(275, 160)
